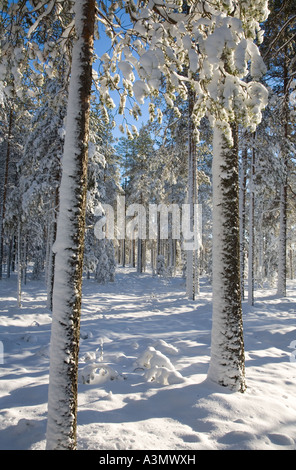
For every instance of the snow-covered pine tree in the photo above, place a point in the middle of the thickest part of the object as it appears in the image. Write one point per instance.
(282, 260)
(62, 397)
(15, 108)
(11, 150)
(217, 43)
(40, 171)
(136, 158)
(279, 52)
(103, 188)
(262, 199)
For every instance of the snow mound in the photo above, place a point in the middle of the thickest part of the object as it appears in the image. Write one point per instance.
(97, 373)
(158, 367)
(164, 347)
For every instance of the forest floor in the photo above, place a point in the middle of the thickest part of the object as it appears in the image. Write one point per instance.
(129, 329)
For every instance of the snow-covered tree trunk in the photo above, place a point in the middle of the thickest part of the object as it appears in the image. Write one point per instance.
(62, 399)
(227, 365)
(242, 210)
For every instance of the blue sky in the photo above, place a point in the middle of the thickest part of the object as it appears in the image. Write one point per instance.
(101, 46)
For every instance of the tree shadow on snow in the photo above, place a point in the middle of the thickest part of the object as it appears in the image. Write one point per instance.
(179, 403)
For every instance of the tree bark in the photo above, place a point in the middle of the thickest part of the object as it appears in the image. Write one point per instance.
(3, 206)
(243, 179)
(282, 260)
(192, 269)
(52, 232)
(19, 266)
(282, 263)
(227, 366)
(69, 245)
(251, 232)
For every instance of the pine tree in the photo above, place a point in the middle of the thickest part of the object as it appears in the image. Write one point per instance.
(103, 188)
(62, 399)
(136, 158)
(279, 52)
(11, 149)
(40, 171)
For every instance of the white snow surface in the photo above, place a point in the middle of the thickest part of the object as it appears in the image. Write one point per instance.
(144, 358)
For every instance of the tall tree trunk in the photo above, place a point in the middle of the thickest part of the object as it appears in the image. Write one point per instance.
(282, 263)
(192, 271)
(227, 366)
(19, 266)
(291, 263)
(282, 260)
(242, 201)
(251, 231)
(133, 250)
(9, 261)
(69, 245)
(3, 206)
(52, 231)
(139, 256)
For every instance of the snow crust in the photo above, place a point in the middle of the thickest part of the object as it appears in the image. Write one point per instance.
(121, 408)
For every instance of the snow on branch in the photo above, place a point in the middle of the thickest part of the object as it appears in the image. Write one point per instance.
(209, 46)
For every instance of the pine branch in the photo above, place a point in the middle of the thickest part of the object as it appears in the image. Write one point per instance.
(275, 40)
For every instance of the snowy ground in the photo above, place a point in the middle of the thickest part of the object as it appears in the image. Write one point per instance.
(130, 329)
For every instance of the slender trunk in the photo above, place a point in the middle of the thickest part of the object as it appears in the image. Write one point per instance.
(9, 261)
(243, 219)
(51, 255)
(260, 242)
(123, 252)
(251, 233)
(19, 266)
(282, 260)
(140, 242)
(144, 256)
(227, 365)
(69, 245)
(51, 263)
(291, 263)
(192, 274)
(282, 265)
(3, 206)
(13, 255)
(153, 257)
(133, 253)
(24, 261)
(140, 256)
